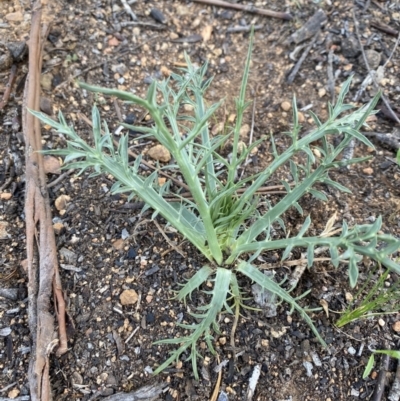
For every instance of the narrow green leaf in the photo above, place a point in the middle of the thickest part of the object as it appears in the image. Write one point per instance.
(391, 353)
(151, 93)
(317, 121)
(264, 281)
(310, 255)
(356, 134)
(353, 272)
(195, 282)
(334, 256)
(117, 93)
(200, 125)
(286, 253)
(318, 194)
(298, 207)
(369, 367)
(336, 185)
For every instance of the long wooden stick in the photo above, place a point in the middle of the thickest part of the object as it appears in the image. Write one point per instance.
(249, 8)
(42, 263)
(7, 92)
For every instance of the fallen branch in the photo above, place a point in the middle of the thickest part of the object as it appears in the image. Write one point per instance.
(372, 74)
(239, 29)
(253, 382)
(7, 92)
(381, 381)
(145, 393)
(42, 264)
(128, 10)
(394, 394)
(249, 8)
(295, 69)
(384, 28)
(390, 140)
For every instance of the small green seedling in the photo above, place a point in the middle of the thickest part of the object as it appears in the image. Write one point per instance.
(380, 300)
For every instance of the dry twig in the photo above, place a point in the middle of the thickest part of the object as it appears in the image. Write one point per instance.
(295, 69)
(394, 394)
(381, 381)
(171, 244)
(42, 265)
(384, 28)
(238, 29)
(128, 10)
(148, 393)
(253, 382)
(331, 76)
(11, 80)
(371, 73)
(217, 384)
(249, 8)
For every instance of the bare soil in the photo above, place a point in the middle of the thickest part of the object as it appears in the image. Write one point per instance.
(106, 246)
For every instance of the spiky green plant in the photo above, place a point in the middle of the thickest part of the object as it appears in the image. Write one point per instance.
(227, 228)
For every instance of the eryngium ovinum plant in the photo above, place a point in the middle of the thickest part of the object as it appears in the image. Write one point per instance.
(228, 229)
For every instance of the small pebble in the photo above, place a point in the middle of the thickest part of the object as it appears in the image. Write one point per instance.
(348, 296)
(150, 318)
(350, 47)
(46, 81)
(5, 331)
(118, 244)
(373, 58)
(128, 297)
(368, 171)
(124, 234)
(130, 119)
(61, 202)
(18, 50)
(244, 130)
(15, 17)
(46, 106)
(14, 393)
(160, 153)
(223, 396)
(381, 322)
(351, 351)
(76, 378)
(148, 80)
(309, 367)
(132, 253)
(5, 196)
(321, 92)
(386, 164)
(153, 270)
(58, 227)
(148, 369)
(396, 326)
(158, 16)
(286, 106)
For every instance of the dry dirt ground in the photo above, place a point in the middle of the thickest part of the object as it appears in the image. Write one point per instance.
(106, 246)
